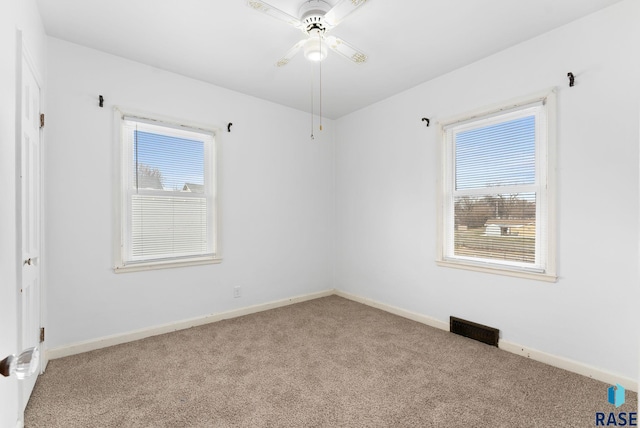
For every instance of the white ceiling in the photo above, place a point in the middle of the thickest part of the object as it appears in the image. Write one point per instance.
(227, 43)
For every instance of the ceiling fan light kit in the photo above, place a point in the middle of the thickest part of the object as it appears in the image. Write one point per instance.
(315, 49)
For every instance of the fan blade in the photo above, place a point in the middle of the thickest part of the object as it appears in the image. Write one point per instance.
(346, 50)
(290, 53)
(341, 10)
(274, 12)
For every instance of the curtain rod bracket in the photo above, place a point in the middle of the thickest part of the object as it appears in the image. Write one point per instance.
(424, 119)
(572, 79)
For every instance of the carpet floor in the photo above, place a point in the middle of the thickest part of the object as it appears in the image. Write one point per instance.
(329, 362)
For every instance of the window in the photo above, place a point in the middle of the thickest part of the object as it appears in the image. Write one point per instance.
(497, 191)
(168, 195)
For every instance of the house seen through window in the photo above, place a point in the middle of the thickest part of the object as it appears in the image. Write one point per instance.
(168, 193)
(495, 193)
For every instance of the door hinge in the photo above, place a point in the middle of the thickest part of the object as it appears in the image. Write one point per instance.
(41, 120)
(41, 334)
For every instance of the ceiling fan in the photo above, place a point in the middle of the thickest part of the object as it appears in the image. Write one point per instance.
(317, 18)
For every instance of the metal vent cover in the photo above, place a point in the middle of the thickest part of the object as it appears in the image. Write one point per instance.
(472, 330)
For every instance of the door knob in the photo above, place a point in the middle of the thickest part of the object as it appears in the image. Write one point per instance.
(23, 365)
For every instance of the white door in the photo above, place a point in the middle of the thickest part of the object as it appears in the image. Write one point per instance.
(29, 292)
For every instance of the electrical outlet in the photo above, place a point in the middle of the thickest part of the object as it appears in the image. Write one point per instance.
(237, 292)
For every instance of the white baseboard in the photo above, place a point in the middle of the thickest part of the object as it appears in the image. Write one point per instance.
(433, 322)
(543, 357)
(117, 339)
(514, 348)
(569, 365)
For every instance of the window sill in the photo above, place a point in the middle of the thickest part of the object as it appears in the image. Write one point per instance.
(542, 276)
(137, 267)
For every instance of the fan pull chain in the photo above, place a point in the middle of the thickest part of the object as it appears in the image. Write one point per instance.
(320, 45)
(312, 137)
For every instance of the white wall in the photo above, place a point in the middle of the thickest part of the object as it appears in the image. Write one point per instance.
(15, 16)
(276, 190)
(386, 193)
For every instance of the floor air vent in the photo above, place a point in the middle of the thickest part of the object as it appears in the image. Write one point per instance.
(479, 332)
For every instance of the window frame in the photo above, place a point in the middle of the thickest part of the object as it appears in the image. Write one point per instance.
(122, 207)
(545, 184)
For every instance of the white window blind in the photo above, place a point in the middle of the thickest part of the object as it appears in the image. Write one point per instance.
(169, 192)
(495, 195)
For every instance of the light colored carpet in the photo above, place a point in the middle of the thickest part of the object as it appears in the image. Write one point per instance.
(329, 362)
